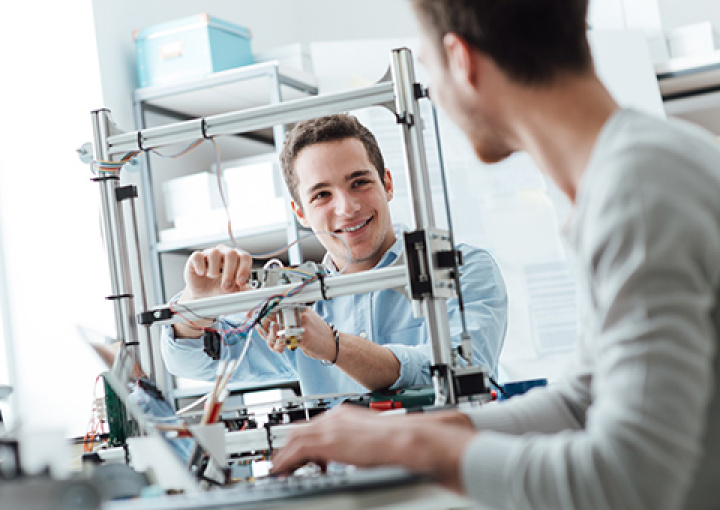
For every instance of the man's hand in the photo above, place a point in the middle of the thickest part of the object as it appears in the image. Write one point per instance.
(216, 271)
(430, 443)
(213, 272)
(317, 340)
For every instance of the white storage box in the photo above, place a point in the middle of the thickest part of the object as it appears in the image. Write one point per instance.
(293, 56)
(191, 195)
(254, 191)
(694, 39)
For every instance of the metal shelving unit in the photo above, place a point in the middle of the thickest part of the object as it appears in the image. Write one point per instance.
(238, 89)
(232, 90)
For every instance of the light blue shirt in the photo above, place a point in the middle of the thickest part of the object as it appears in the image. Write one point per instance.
(384, 317)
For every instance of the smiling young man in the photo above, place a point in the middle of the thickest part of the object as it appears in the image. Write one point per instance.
(636, 423)
(341, 190)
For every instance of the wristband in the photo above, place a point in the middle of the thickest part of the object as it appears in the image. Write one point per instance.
(336, 337)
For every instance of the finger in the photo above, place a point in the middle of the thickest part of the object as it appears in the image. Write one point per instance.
(280, 343)
(270, 337)
(300, 450)
(263, 327)
(229, 270)
(244, 266)
(197, 263)
(261, 331)
(215, 260)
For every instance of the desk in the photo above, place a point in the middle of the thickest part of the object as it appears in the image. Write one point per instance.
(420, 496)
(690, 88)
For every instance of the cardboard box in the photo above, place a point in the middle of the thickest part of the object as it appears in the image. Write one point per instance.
(178, 50)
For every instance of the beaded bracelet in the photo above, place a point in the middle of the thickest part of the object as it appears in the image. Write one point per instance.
(336, 337)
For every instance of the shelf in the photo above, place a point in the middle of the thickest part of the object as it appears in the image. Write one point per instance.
(256, 240)
(234, 89)
(689, 76)
(249, 87)
(253, 240)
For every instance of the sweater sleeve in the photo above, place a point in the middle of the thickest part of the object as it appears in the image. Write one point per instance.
(628, 433)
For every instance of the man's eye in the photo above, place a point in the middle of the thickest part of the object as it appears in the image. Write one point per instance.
(361, 182)
(318, 196)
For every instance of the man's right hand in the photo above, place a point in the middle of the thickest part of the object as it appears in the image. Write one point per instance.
(212, 272)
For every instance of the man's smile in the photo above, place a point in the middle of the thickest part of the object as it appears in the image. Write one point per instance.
(354, 228)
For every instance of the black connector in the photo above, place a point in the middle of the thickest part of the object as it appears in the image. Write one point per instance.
(212, 344)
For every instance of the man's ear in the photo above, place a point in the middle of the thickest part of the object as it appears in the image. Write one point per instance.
(461, 60)
(299, 214)
(388, 183)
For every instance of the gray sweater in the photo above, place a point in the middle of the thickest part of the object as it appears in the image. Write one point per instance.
(636, 424)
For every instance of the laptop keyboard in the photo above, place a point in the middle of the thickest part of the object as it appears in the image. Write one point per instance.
(268, 489)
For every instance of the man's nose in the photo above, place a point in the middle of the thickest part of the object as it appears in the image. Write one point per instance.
(346, 204)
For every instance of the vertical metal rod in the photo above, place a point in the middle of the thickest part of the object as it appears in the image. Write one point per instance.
(434, 309)
(113, 230)
(295, 251)
(146, 345)
(161, 376)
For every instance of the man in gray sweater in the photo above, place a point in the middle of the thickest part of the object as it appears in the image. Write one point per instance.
(636, 424)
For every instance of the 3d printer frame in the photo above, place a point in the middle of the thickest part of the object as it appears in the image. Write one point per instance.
(430, 274)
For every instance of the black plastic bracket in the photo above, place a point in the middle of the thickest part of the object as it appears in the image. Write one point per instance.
(147, 318)
(118, 296)
(417, 263)
(405, 118)
(105, 178)
(125, 192)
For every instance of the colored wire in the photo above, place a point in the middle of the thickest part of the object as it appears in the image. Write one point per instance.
(191, 147)
(115, 166)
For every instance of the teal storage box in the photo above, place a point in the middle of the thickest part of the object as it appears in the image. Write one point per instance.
(190, 47)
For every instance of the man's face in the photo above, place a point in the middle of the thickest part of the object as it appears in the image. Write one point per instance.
(475, 115)
(340, 192)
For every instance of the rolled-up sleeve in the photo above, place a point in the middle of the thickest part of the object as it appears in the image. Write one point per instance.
(486, 313)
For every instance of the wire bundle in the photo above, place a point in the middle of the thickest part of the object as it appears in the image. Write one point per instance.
(97, 425)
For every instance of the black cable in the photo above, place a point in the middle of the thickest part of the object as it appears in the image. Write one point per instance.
(321, 279)
(456, 268)
(500, 388)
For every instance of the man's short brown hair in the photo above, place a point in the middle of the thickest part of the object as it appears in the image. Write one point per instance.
(332, 128)
(533, 41)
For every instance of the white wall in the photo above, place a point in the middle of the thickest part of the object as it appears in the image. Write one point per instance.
(273, 23)
(673, 13)
(654, 17)
(49, 217)
(676, 13)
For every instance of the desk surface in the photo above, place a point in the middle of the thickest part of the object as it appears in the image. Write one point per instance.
(419, 496)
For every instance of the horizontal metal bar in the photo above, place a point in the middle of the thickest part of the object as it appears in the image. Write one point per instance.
(251, 119)
(357, 283)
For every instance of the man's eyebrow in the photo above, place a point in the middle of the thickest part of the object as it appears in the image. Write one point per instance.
(354, 175)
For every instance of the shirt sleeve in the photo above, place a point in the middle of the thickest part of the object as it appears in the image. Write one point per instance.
(185, 357)
(628, 434)
(486, 313)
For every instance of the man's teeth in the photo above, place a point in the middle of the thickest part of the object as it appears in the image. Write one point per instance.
(356, 227)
